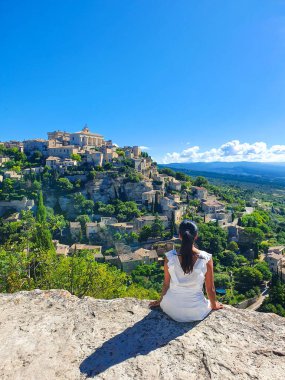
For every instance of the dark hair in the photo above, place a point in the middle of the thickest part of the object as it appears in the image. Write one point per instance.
(188, 231)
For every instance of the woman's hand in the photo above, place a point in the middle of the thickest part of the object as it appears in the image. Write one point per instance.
(217, 305)
(154, 304)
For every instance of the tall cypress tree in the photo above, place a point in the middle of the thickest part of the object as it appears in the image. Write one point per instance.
(43, 238)
(41, 215)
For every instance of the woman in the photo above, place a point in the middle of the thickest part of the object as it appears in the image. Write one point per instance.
(185, 272)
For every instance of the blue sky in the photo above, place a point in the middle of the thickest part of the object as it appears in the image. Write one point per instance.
(178, 77)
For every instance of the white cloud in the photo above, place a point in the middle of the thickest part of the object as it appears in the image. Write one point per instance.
(144, 147)
(231, 151)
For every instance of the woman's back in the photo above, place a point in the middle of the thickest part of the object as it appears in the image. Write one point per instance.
(185, 300)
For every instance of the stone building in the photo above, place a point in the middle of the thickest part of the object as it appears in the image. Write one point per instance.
(113, 260)
(60, 136)
(150, 197)
(279, 249)
(145, 220)
(141, 256)
(92, 229)
(86, 138)
(16, 205)
(53, 162)
(62, 151)
(275, 261)
(94, 158)
(75, 230)
(3, 160)
(96, 250)
(175, 185)
(107, 220)
(199, 192)
(122, 228)
(109, 154)
(14, 144)
(12, 174)
(212, 206)
(61, 249)
(41, 145)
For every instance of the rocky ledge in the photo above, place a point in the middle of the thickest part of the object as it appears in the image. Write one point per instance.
(54, 335)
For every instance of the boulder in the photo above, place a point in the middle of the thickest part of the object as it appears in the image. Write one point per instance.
(54, 335)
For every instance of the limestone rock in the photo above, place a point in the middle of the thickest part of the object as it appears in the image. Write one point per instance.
(54, 335)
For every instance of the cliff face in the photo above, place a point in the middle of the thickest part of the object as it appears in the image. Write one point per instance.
(54, 335)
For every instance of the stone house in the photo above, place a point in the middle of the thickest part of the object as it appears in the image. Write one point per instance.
(148, 256)
(107, 220)
(92, 229)
(113, 260)
(173, 184)
(212, 206)
(142, 164)
(221, 217)
(145, 220)
(3, 160)
(68, 162)
(94, 158)
(53, 162)
(175, 198)
(60, 136)
(150, 197)
(61, 249)
(35, 170)
(129, 262)
(96, 250)
(12, 174)
(122, 228)
(166, 204)
(62, 151)
(199, 192)
(41, 145)
(14, 144)
(109, 155)
(141, 256)
(75, 229)
(179, 212)
(279, 249)
(275, 261)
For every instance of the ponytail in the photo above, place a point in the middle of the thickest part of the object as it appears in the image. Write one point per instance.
(188, 231)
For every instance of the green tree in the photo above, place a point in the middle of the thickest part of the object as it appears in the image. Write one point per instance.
(211, 238)
(64, 185)
(77, 157)
(200, 181)
(247, 277)
(233, 246)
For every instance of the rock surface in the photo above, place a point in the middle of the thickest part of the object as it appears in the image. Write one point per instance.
(54, 335)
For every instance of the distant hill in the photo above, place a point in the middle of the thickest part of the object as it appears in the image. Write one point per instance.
(243, 171)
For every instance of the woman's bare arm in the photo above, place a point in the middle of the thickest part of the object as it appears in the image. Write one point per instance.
(165, 285)
(210, 286)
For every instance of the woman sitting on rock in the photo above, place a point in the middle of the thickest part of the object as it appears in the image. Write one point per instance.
(185, 272)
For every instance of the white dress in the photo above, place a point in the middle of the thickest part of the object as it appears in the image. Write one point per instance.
(184, 300)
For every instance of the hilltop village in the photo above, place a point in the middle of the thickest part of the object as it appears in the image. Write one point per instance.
(124, 173)
(116, 204)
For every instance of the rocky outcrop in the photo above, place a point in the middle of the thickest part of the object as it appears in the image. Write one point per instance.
(134, 190)
(54, 335)
(16, 205)
(105, 188)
